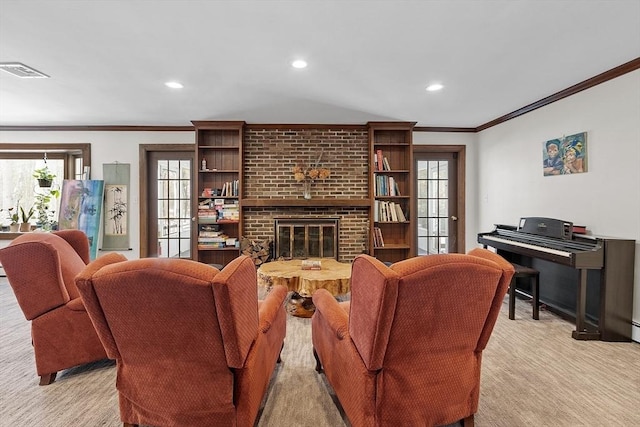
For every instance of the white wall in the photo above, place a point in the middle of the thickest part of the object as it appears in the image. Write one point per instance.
(606, 199)
(108, 147)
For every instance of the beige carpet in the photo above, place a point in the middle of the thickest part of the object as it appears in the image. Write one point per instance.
(534, 374)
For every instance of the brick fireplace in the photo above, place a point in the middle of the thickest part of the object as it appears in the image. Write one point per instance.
(306, 237)
(270, 152)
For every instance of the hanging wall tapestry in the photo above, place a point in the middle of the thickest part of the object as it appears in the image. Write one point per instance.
(115, 233)
(80, 209)
(566, 155)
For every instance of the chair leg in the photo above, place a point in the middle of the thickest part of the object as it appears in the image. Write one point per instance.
(47, 379)
(318, 364)
(468, 422)
(129, 425)
(512, 299)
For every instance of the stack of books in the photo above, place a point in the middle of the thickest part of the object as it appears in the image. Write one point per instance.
(206, 212)
(308, 264)
(211, 239)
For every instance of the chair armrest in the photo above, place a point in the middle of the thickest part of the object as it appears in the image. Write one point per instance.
(269, 308)
(335, 316)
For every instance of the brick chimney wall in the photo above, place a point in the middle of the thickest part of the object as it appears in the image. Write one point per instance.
(269, 156)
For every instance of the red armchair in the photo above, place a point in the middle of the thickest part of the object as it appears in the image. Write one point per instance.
(406, 350)
(41, 268)
(193, 345)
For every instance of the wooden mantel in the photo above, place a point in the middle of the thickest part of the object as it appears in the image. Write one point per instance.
(299, 202)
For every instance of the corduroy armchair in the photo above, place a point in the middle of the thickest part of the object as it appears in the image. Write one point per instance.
(193, 345)
(41, 268)
(406, 349)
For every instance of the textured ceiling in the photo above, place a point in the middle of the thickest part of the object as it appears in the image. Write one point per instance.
(368, 60)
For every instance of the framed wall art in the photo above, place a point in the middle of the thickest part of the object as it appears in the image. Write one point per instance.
(565, 156)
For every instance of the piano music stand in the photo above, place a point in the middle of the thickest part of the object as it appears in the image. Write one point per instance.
(532, 274)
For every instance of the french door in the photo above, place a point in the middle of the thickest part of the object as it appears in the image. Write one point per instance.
(439, 199)
(167, 174)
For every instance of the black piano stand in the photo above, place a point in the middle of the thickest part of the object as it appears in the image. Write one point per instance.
(583, 332)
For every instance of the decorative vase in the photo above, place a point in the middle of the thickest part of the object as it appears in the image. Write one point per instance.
(306, 189)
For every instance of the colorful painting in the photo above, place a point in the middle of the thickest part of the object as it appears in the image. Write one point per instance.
(80, 209)
(566, 155)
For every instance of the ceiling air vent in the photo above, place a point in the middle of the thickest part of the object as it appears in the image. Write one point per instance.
(22, 71)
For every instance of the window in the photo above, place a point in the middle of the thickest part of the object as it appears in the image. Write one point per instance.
(18, 187)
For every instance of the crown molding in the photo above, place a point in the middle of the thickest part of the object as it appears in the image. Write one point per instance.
(589, 83)
(101, 128)
(618, 71)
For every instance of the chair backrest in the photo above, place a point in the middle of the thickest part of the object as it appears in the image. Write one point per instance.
(426, 332)
(175, 326)
(41, 268)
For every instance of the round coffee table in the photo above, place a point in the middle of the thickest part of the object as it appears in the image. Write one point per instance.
(333, 276)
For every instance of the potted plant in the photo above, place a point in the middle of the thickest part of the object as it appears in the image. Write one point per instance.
(45, 216)
(26, 216)
(44, 176)
(13, 218)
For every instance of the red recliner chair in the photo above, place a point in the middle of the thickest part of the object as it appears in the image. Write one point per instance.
(406, 350)
(41, 268)
(193, 345)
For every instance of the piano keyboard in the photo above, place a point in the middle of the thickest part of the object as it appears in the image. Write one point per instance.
(526, 245)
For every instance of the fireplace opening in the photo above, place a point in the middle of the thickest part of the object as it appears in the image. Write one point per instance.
(306, 238)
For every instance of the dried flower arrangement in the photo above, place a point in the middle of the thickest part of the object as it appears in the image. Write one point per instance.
(311, 173)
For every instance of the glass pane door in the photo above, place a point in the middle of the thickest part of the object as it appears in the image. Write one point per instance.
(174, 208)
(436, 203)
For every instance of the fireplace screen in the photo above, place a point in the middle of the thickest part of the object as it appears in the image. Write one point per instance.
(306, 238)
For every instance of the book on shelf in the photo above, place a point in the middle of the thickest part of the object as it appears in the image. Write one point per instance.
(392, 186)
(378, 241)
(211, 239)
(385, 164)
(392, 211)
(210, 233)
(386, 185)
(230, 189)
(386, 211)
(205, 246)
(376, 210)
(379, 160)
(401, 216)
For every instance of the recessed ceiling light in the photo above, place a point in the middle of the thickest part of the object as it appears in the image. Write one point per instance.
(434, 87)
(174, 85)
(299, 63)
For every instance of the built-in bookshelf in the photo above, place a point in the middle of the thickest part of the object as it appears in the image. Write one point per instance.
(391, 190)
(218, 191)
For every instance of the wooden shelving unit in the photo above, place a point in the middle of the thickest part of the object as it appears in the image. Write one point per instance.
(219, 144)
(391, 190)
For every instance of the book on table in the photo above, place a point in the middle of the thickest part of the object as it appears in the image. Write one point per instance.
(311, 264)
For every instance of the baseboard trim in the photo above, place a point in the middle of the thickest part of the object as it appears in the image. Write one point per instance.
(635, 331)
